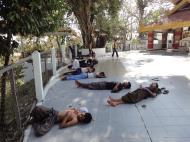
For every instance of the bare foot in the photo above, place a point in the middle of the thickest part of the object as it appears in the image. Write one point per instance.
(63, 77)
(110, 98)
(111, 103)
(77, 83)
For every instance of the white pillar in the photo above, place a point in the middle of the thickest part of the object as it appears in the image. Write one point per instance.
(38, 75)
(63, 53)
(53, 55)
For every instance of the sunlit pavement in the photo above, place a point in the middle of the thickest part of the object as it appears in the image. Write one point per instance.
(165, 118)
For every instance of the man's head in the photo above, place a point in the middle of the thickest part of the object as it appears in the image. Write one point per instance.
(154, 87)
(126, 85)
(84, 117)
(100, 75)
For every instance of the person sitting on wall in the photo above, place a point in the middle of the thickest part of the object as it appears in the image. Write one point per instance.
(113, 86)
(83, 76)
(135, 96)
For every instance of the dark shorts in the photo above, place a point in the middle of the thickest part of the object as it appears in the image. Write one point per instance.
(126, 99)
(56, 117)
(97, 86)
(135, 96)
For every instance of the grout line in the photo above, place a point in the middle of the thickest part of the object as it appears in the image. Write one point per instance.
(144, 123)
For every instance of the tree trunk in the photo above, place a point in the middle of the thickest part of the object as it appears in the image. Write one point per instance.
(58, 43)
(141, 4)
(3, 86)
(83, 11)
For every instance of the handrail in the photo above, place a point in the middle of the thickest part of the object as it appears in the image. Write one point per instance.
(15, 64)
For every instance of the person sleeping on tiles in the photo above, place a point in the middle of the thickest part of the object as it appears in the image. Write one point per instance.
(135, 96)
(104, 85)
(91, 62)
(43, 118)
(80, 70)
(83, 76)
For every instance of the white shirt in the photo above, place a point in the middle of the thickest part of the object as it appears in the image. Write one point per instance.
(91, 75)
(76, 64)
(83, 109)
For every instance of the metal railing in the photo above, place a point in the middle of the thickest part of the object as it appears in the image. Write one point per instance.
(60, 58)
(22, 85)
(17, 99)
(47, 68)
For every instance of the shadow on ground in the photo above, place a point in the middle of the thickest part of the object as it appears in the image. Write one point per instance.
(165, 118)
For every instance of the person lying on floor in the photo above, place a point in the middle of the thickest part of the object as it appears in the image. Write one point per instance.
(104, 85)
(44, 118)
(135, 96)
(83, 76)
(80, 70)
(83, 63)
(73, 116)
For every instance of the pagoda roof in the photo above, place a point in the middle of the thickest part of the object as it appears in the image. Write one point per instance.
(178, 17)
(180, 5)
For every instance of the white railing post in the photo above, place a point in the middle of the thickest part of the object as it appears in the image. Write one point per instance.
(38, 75)
(53, 55)
(63, 53)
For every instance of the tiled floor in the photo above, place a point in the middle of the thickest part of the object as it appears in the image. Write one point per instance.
(165, 118)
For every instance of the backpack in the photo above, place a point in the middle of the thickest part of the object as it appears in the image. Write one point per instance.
(43, 119)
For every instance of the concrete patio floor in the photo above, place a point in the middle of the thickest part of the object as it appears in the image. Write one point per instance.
(165, 118)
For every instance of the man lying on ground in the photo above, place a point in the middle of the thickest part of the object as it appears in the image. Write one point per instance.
(80, 70)
(73, 116)
(44, 118)
(135, 96)
(83, 63)
(113, 86)
(83, 76)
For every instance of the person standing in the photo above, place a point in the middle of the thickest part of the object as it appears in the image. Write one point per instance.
(114, 46)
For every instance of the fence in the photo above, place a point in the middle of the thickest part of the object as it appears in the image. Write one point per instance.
(60, 57)
(47, 68)
(22, 85)
(17, 99)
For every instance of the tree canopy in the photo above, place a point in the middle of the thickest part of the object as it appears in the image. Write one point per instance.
(86, 12)
(27, 17)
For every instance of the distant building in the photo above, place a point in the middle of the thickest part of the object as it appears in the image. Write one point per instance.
(175, 23)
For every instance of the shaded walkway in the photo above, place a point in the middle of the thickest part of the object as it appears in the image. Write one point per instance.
(164, 119)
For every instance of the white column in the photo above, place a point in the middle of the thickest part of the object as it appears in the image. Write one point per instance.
(38, 75)
(53, 55)
(63, 53)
